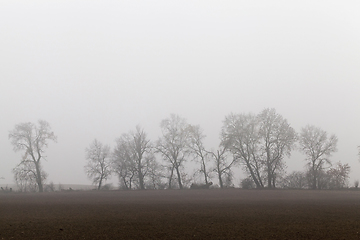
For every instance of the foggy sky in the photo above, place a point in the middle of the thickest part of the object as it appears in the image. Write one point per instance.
(96, 69)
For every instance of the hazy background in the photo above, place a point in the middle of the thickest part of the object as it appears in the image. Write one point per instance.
(96, 69)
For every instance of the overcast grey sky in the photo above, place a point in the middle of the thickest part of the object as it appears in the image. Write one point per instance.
(96, 69)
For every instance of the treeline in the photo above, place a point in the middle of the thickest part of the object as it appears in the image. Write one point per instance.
(256, 143)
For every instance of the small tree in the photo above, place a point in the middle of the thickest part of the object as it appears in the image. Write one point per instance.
(33, 139)
(50, 187)
(316, 145)
(98, 166)
(296, 180)
(247, 183)
(338, 176)
(356, 183)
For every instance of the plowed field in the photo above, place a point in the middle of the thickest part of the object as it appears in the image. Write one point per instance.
(186, 214)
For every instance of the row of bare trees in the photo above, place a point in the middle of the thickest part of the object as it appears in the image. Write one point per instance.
(335, 177)
(260, 143)
(257, 143)
(133, 158)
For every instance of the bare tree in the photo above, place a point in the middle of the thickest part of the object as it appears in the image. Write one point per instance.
(316, 145)
(296, 180)
(173, 145)
(223, 164)
(335, 177)
(33, 139)
(169, 175)
(143, 155)
(155, 176)
(338, 176)
(197, 148)
(133, 157)
(260, 143)
(277, 140)
(241, 138)
(247, 183)
(25, 177)
(123, 164)
(50, 187)
(98, 167)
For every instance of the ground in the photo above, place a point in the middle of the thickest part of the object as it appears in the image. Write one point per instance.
(185, 214)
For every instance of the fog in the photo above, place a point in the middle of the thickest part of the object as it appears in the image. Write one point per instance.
(96, 69)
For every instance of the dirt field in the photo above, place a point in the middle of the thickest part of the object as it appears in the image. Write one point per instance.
(187, 214)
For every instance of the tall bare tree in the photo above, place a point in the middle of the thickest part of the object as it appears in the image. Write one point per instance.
(98, 167)
(277, 140)
(133, 155)
(260, 143)
(33, 139)
(198, 150)
(173, 145)
(123, 165)
(223, 164)
(240, 136)
(318, 147)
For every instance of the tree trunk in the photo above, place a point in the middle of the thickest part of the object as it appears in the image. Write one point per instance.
(204, 169)
(100, 182)
(171, 176)
(252, 174)
(179, 177)
(314, 182)
(269, 172)
(141, 178)
(273, 182)
(269, 180)
(220, 179)
(38, 177)
(125, 183)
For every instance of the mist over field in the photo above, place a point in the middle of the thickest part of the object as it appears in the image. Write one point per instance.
(96, 70)
(187, 214)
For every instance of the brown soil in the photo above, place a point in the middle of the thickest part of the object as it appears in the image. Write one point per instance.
(187, 214)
